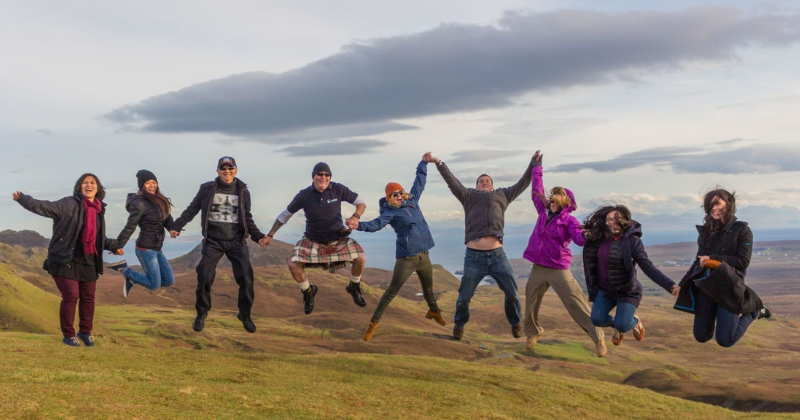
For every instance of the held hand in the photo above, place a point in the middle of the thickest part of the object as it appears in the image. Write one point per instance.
(537, 157)
(352, 223)
(16, 195)
(117, 252)
(174, 234)
(265, 241)
(426, 157)
(675, 290)
(702, 259)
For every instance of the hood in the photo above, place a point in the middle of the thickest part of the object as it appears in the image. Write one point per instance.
(634, 230)
(574, 205)
(132, 198)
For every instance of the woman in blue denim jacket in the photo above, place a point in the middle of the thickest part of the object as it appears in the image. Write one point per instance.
(400, 209)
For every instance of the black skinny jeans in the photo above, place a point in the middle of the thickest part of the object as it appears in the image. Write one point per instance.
(239, 256)
(403, 267)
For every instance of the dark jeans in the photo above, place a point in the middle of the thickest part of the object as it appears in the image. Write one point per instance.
(622, 320)
(157, 272)
(403, 267)
(730, 327)
(239, 256)
(72, 292)
(477, 265)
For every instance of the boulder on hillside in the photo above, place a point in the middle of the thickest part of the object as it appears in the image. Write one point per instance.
(24, 238)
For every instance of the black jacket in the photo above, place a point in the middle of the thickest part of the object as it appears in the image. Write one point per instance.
(623, 287)
(68, 218)
(202, 204)
(150, 220)
(733, 246)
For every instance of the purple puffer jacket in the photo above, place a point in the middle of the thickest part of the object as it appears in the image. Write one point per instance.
(549, 243)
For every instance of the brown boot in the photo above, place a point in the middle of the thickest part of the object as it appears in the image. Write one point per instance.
(370, 331)
(436, 316)
(516, 331)
(458, 333)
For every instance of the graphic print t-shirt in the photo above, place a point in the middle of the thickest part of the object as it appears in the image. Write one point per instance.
(223, 216)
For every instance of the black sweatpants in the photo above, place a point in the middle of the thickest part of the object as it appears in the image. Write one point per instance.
(239, 256)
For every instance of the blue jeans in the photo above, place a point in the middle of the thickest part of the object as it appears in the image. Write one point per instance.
(622, 320)
(157, 272)
(477, 265)
(730, 327)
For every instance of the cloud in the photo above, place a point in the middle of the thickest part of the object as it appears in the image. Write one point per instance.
(44, 131)
(641, 203)
(761, 159)
(351, 147)
(481, 155)
(458, 67)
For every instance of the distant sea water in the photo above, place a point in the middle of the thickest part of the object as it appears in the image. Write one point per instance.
(449, 249)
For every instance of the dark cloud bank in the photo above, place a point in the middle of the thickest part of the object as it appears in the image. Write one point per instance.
(452, 68)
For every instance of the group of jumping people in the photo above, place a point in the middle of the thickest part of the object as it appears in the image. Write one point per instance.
(713, 288)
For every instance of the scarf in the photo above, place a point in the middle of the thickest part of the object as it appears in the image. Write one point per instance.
(91, 208)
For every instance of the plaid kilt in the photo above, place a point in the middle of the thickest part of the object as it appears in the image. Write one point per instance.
(328, 256)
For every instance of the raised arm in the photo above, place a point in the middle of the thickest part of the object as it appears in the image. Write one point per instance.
(458, 190)
(419, 180)
(515, 190)
(639, 255)
(51, 209)
(537, 184)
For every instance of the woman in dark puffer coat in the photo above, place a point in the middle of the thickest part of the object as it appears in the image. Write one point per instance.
(713, 289)
(150, 211)
(612, 251)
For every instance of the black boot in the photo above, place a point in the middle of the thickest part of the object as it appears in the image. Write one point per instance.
(355, 291)
(308, 299)
(199, 323)
(247, 323)
(764, 313)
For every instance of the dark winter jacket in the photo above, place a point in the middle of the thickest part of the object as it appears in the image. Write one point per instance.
(149, 218)
(68, 218)
(548, 245)
(201, 203)
(623, 286)
(413, 235)
(733, 246)
(484, 212)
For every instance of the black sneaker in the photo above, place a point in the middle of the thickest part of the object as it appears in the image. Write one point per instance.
(87, 339)
(308, 299)
(247, 323)
(71, 341)
(118, 266)
(764, 313)
(355, 291)
(199, 323)
(126, 287)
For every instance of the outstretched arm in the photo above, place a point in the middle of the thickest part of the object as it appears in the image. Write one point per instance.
(189, 213)
(376, 224)
(420, 179)
(458, 190)
(640, 257)
(515, 190)
(282, 219)
(50, 209)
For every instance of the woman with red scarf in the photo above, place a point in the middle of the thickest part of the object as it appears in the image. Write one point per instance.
(74, 256)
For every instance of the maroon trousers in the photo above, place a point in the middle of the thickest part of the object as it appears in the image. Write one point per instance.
(72, 292)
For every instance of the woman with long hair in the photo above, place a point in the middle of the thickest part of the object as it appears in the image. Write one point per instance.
(612, 251)
(74, 256)
(548, 250)
(713, 289)
(401, 210)
(150, 211)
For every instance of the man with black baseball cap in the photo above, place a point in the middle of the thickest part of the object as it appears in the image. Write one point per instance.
(325, 243)
(224, 206)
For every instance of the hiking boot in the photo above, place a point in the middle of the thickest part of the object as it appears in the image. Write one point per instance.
(71, 341)
(516, 331)
(87, 339)
(355, 291)
(247, 323)
(764, 313)
(126, 287)
(530, 342)
(458, 333)
(638, 330)
(370, 331)
(436, 316)
(308, 299)
(199, 323)
(118, 266)
(600, 348)
(616, 339)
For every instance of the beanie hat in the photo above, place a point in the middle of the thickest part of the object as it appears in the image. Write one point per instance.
(321, 167)
(392, 187)
(143, 176)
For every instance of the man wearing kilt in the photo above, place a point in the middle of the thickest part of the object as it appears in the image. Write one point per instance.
(325, 243)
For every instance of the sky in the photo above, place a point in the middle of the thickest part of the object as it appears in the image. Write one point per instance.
(639, 103)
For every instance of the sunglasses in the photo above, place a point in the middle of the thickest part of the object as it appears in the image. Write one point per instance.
(226, 168)
(323, 174)
(397, 194)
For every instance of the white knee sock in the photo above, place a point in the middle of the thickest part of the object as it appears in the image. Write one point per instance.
(355, 279)
(304, 285)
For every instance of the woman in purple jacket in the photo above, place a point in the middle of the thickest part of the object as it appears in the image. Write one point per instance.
(548, 250)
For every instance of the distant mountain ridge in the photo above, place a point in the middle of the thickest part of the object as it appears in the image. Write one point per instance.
(24, 238)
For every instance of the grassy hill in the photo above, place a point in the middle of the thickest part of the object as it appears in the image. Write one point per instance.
(25, 307)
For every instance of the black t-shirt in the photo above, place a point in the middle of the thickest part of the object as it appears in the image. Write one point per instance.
(323, 210)
(223, 216)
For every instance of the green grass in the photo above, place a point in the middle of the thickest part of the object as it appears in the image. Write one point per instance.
(47, 380)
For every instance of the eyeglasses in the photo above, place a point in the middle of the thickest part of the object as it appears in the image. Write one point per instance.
(397, 194)
(323, 174)
(226, 168)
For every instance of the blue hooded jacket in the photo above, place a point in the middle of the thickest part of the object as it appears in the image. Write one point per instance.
(413, 235)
